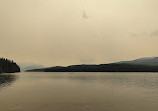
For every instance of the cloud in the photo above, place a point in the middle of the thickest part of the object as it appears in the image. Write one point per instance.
(84, 15)
(140, 34)
(154, 33)
(145, 34)
(87, 60)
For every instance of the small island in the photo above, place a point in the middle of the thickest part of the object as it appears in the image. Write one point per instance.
(8, 66)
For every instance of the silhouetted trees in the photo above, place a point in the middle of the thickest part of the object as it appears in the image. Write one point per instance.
(8, 66)
(101, 68)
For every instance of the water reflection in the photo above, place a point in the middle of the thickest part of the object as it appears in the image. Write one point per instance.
(79, 92)
(143, 80)
(6, 80)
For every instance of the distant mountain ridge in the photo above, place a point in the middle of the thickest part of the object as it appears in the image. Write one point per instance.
(138, 65)
(150, 61)
(28, 66)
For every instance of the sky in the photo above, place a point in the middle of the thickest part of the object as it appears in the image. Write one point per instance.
(67, 32)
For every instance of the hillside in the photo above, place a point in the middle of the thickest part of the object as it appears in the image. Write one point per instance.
(100, 68)
(150, 61)
(138, 65)
(28, 66)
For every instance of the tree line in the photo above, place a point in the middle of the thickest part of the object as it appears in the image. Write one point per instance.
(8, 66)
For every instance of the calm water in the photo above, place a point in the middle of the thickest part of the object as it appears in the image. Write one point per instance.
(79, 91)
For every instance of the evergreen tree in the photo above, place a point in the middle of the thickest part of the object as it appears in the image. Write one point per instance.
(8, 66)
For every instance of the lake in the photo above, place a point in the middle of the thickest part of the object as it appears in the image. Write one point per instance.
(79, 91)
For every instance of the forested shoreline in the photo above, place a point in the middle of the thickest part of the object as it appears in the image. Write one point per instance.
(8, 66)
(100, 68)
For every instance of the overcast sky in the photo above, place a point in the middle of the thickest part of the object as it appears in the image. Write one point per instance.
(66, 32)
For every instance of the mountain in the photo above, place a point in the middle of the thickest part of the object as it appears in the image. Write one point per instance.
(8, 66)
(29, 66)
(150, 61)
(122, 67)
(138, 65)
(100, 68)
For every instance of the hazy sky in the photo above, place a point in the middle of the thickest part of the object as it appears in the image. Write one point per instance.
(64, 32)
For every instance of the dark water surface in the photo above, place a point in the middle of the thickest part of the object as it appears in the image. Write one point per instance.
(79, 91)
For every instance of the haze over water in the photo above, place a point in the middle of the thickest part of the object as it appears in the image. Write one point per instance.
(79, 91)
(47, 33)
(68, 32)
